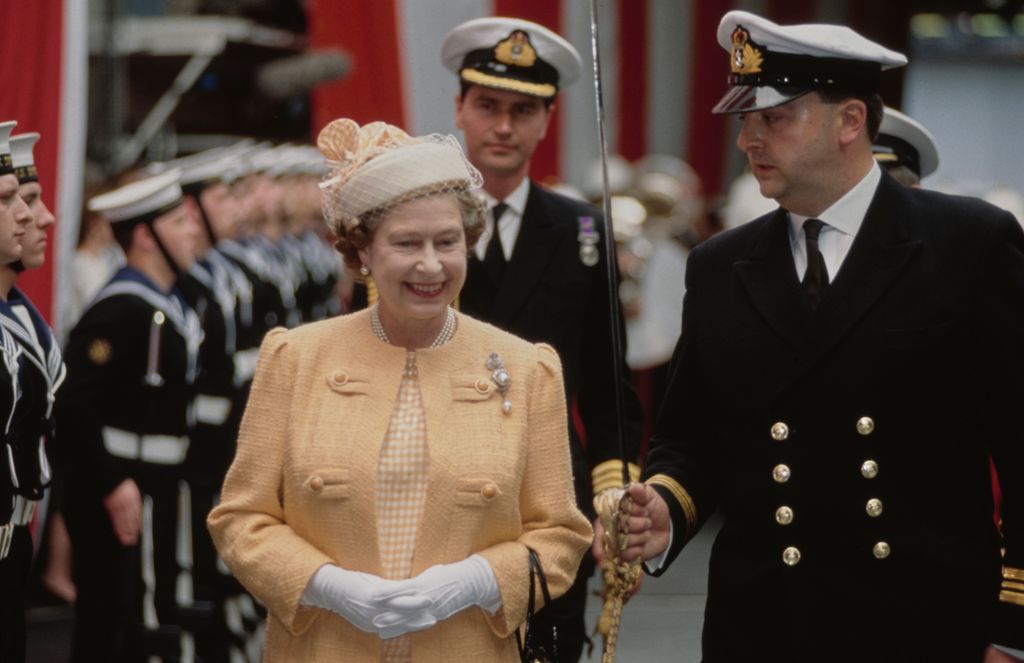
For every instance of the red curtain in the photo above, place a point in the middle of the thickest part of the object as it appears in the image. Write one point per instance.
(710, 67)
(368, 33)
(30, 83)
(633, 93)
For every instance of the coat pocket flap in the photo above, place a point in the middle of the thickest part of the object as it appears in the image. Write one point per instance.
(472, 387)
(344, 382)
(328, 482)
(476, 492)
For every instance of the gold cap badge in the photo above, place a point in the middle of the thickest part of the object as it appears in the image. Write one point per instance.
(516, 50)
(745, 59)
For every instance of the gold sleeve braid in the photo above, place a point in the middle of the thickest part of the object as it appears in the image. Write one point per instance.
(1013, 586)
(609, 475)
(682, 497)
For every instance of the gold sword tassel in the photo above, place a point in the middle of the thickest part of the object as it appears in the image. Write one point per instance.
(620, 577)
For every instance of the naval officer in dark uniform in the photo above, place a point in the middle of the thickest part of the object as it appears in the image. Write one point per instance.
(847, 365)
(126, 416)
(539, 270)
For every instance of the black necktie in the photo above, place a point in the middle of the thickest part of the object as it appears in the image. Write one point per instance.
(816, 277)
(494, 256)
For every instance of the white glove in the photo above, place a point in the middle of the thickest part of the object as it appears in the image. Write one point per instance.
(448, 588)
(361, 597)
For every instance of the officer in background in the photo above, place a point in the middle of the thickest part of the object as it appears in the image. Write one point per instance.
(905, 149)
(26, 390)
(848, 363)
(126, 415)
(539, 270)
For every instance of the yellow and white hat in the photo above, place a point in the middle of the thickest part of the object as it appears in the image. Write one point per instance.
(773, 64)
(511, 54)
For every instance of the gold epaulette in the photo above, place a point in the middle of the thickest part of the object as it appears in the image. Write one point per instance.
(683, 497)
(1013, 586)
(609, 475)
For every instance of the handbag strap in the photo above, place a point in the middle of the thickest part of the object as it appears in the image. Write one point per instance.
(536, 574)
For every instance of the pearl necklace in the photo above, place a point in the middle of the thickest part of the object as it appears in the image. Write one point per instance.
(445, 335)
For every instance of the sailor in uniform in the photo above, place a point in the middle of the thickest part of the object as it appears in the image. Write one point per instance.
(126, 414)
(26, 391)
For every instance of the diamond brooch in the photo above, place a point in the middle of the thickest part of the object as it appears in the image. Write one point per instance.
(501, 379)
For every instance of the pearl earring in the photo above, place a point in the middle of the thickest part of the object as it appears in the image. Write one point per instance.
(364, 270)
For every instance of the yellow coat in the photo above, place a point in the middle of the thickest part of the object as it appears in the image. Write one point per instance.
(301, 490)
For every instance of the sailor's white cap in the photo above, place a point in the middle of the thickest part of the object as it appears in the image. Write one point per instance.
(143, 200)
(903, 141)
(511, 54)
(773, 64)
(22, 157)
(6, 163)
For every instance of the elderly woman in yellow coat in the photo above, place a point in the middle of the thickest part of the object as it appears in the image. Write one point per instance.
(396, 465)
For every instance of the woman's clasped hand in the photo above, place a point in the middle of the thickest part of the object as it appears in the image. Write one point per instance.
(390, 608)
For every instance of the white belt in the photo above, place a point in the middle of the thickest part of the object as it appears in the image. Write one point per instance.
(24, 509)
(212, 410)
(245, 364)
(159, 449)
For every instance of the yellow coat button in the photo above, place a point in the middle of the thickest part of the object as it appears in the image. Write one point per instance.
(784, 515)
(791, 556)
(780, 431)
(881, 550)
(874, 507)
(483, 386)
(865, 425)
(489, 491)
(869, 469)
(339, 377)
(781, 473)
(316, 484)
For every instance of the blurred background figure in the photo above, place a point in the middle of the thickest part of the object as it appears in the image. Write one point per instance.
(97, 256)
(905, 149)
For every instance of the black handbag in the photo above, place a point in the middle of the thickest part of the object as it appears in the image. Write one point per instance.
(530, 648)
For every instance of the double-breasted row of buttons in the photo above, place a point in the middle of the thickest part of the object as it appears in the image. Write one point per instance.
(782, 473)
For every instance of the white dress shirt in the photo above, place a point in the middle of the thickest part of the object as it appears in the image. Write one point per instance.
(510, 222)
(842, 221)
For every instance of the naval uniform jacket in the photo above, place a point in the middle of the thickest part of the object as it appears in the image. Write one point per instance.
(208, 291)
(129, 375)
(40, 373)
(547, 294)
(871, 421)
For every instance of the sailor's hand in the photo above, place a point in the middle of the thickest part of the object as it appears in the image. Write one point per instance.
(124, 506)
(648, 524)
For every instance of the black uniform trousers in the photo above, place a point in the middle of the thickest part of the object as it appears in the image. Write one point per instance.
(117, 584)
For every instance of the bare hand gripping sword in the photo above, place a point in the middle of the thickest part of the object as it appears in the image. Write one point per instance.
(612, 504)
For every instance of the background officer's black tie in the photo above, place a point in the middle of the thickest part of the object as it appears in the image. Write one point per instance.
(494, 257)
(816, 276)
